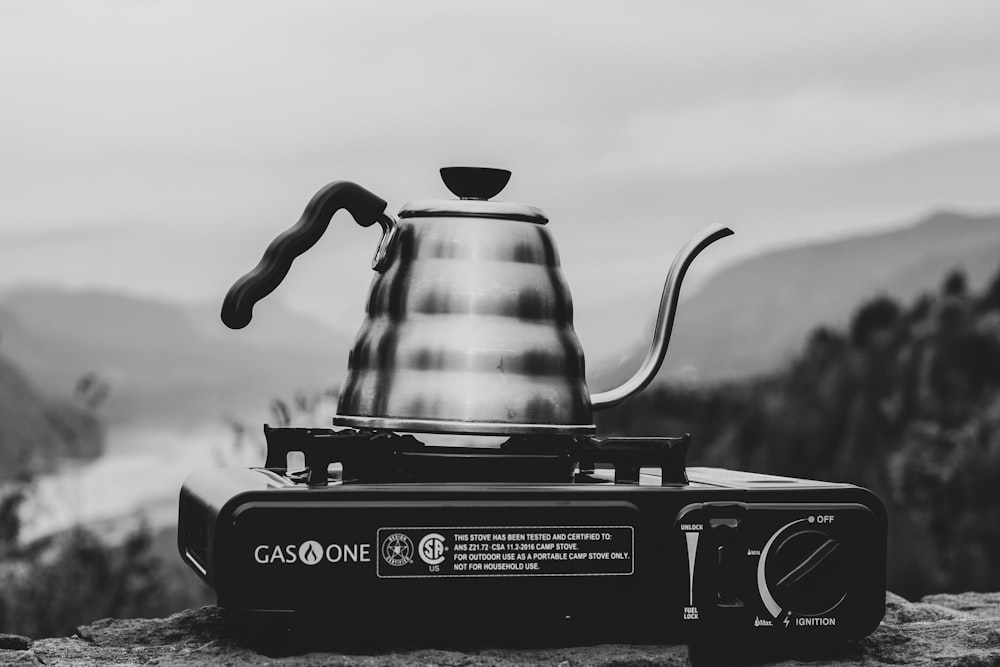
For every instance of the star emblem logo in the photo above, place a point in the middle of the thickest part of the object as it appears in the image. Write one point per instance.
(397, 549)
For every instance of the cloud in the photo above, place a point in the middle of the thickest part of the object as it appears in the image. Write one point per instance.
(205, 127)
(819, 125)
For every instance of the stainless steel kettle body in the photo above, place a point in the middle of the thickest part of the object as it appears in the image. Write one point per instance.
(469, 325)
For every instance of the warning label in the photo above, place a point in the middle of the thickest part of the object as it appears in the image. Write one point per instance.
(505, 551)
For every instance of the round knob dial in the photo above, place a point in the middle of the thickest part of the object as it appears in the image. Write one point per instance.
(803, 571)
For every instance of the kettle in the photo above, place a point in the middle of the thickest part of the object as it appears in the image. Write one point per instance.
(469, 326)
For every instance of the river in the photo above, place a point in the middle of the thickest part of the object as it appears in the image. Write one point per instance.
(139, 475)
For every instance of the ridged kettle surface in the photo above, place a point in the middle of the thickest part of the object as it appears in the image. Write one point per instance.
(469, 329)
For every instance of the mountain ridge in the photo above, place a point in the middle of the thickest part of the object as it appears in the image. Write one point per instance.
(157, 354)
(749, 317)
(175, 362)
(35, 430)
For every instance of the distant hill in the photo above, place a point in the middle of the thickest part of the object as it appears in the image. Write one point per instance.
(164, 362)
(749, 318)
(35, 430)
(174, 363)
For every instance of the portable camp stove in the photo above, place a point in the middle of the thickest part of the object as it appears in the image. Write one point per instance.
(469, 330)
(381, 535)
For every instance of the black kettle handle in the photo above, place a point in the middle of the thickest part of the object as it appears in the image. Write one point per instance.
(365, 207)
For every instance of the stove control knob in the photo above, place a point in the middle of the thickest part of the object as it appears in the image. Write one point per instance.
(803, 571)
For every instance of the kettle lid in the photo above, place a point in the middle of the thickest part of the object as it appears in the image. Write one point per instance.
(474, 186)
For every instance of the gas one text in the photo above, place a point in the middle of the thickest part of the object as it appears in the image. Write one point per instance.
(311, 553)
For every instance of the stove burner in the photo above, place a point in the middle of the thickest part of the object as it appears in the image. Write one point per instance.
(387, 457)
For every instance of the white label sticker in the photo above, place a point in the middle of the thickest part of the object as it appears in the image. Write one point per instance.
(511, 551)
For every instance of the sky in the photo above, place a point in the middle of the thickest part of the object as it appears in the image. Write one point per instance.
(156, 148)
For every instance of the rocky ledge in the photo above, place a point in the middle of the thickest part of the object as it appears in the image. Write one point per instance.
(940, 629)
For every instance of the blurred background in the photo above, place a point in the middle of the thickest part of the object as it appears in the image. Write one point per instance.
(150, 151)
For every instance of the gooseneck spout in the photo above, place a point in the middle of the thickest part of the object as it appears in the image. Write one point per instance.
(664, 321)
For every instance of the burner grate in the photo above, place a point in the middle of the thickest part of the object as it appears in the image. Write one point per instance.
(387, 457)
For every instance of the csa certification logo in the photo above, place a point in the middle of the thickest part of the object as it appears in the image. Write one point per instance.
(397, 550)
(310, 552)
(431, 549)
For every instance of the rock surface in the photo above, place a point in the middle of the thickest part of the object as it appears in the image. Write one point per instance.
(14, 642)
(949, 629)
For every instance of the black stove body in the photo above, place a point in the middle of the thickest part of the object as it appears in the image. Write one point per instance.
(613, 539)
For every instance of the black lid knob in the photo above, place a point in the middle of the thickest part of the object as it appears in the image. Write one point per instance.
(474, 182)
